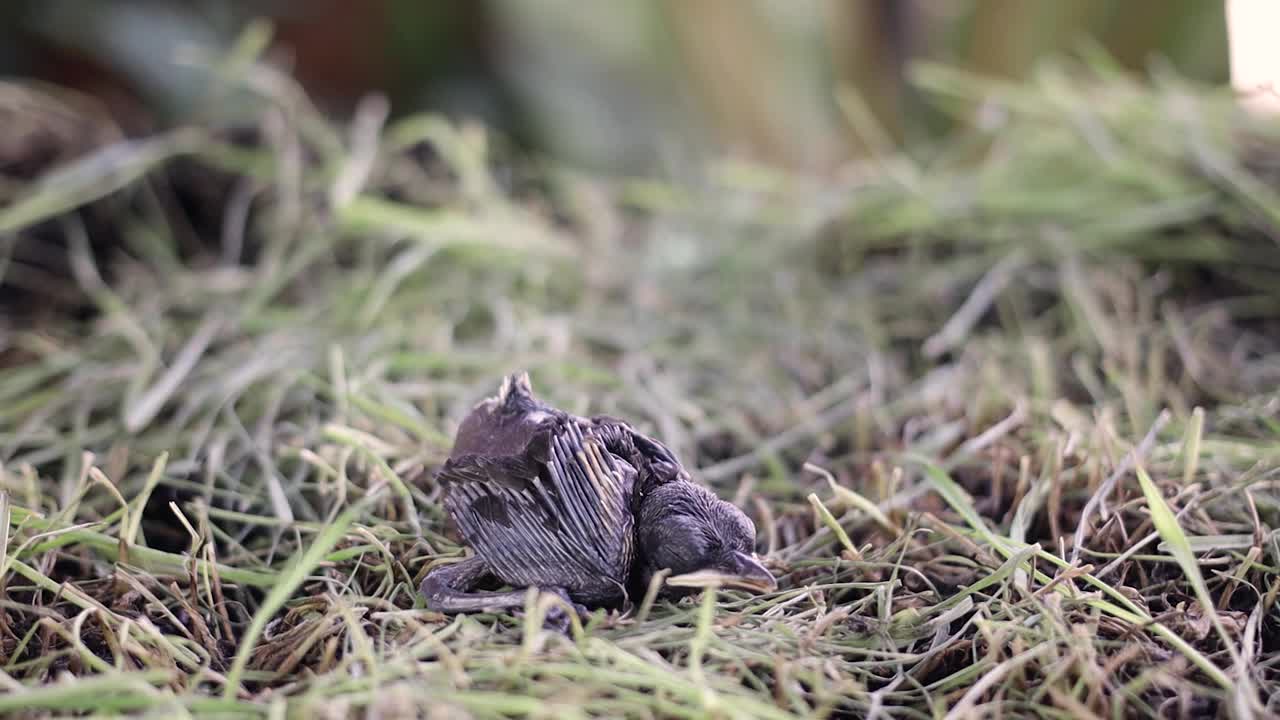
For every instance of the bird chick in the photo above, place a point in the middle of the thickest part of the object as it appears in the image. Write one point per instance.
(585, 508)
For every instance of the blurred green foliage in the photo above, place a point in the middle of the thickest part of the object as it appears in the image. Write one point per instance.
(628, 85)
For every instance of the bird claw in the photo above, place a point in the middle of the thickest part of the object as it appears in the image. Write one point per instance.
(558, 618)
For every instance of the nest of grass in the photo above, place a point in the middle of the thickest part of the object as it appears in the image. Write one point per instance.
(1004, 411)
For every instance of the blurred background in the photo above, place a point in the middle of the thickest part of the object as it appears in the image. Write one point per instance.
(627, 86)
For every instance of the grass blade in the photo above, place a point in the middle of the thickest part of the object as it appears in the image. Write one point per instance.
(1179, 547)
(289, 581)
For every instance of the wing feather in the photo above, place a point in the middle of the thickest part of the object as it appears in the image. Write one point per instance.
(556, 515)
(570, 492)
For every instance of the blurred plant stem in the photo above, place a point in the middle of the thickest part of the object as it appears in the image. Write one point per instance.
(871, 43)
(738, 68)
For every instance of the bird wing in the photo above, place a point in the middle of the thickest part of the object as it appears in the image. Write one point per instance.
(558, 514)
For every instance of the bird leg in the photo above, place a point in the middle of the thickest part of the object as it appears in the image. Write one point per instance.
(447, 590)
(447, 587)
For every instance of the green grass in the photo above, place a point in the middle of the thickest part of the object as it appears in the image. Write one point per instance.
(1004, 410)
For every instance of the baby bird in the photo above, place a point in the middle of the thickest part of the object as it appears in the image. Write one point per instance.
(586, 508)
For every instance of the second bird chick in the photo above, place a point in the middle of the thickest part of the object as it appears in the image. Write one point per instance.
(586, 508)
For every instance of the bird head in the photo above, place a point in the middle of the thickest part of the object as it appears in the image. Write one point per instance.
(702, 540)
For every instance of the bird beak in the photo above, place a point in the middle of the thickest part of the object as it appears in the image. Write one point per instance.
(744, 572)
